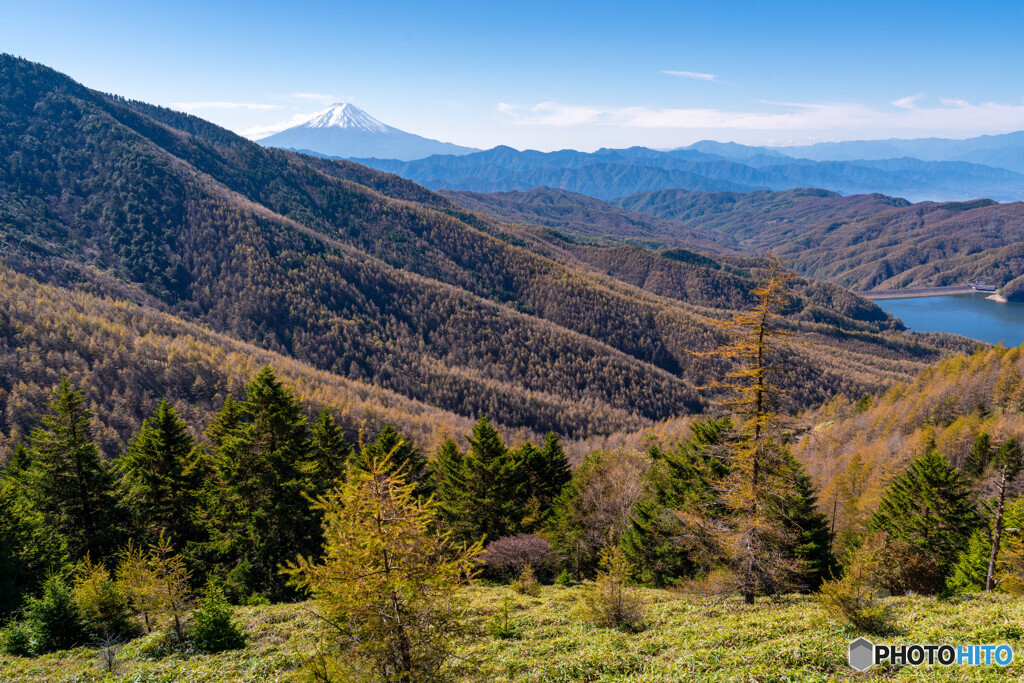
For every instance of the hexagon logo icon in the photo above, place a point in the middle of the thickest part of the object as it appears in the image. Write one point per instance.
(862, 654)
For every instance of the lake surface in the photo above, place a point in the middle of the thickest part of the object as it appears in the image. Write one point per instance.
(971, 315)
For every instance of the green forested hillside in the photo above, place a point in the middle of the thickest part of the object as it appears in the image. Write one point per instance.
(372, 278)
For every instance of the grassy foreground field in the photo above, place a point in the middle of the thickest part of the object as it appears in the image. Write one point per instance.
(688, 639)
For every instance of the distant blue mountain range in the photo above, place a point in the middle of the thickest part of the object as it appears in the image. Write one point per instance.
(713, 166)
(990, 166)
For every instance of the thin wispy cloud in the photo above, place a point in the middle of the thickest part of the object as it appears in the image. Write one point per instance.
(255, 106)
(691, 74)
(908, 102)
(260, 132)
(950, 115)
(318, 97)
(959, 104)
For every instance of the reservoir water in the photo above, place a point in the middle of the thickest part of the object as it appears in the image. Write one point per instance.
(971, 315)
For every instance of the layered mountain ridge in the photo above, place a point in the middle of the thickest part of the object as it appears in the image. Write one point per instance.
(356, 276)
(613, 173)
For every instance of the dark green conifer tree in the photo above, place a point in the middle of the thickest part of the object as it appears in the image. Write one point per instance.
(19, 462)
(261, 516)
(449, 482)
(329, 451)
(160, 480)
(692, 467)
(402, 455)
(225, 422)
(653, 543)
(27, 550)
(548, 473)
(68, 484)
(980, 455)
(491, 508)
(813, 539)
(928, 507)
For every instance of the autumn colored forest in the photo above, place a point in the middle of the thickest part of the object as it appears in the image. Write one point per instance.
(234, 378)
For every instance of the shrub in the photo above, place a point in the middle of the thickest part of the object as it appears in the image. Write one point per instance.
(564, 579)
(507, 557)
(610, 602)
(153, 646)
(54, 619)
(16, 639)
(212, 627)
(109, 648)
(105, 609)
(716, 583)
(527, 583)
(853, 599)
(255, 600)
(157, 583)
(903, 568)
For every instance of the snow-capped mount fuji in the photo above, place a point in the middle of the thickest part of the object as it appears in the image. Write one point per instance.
(344, 130)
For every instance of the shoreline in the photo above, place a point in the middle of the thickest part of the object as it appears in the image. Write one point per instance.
(915, 292)
(996, 297)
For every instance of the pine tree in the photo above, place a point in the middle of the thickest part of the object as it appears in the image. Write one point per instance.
(160, 479)
(927, 507)
(653, 547)
(19, 462)
(261, 512)
(755, 542)
(493, 486)
(810, 527)
(695, 465)
(971, 568)
(403, 455)
(653, 543)
(449, 482)
(980, 455)
(27, 549)
(329, 450)
(226, 421)
(544, 472)
(68, 484)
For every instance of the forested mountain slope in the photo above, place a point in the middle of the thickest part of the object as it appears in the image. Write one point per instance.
(853, 449)
(369, 277)
(863, 241)
(127, 357)
(579, 215)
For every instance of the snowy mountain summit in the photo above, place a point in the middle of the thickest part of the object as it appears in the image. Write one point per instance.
(345, 115)
(344, 130)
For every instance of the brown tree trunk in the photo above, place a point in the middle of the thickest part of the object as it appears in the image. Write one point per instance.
(997, 530)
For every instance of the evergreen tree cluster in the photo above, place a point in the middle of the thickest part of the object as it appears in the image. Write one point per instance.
(238, 504)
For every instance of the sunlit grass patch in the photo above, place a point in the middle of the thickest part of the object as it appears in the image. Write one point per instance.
(687, 638)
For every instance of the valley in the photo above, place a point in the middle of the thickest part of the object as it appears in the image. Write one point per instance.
(373, 279)
(327, 400)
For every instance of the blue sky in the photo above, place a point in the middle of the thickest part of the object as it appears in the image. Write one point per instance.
(550, 75)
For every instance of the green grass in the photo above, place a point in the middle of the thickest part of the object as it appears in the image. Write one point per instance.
(688, 638)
